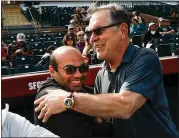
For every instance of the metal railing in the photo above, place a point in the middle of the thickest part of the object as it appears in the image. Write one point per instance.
(35, 26)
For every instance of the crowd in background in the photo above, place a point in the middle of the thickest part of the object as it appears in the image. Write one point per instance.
(76, 37)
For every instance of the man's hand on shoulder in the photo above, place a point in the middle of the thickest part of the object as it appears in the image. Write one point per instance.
(50, 104)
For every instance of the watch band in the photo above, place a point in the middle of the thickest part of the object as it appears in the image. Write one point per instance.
(71, 95)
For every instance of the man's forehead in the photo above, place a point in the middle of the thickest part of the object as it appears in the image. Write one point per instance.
(98, 19)
(72, 62)
(70, 57)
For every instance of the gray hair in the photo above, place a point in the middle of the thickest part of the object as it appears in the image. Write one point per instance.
(117, 13)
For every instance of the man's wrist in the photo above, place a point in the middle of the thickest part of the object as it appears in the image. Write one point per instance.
(69, 101)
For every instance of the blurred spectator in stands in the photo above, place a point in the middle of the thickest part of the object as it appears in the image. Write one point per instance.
(4, 46)
(77, 28)
(174, 20)
(141, 21)
(73, 22)
(81, 17)
(78, 16)
(81, 41)
(3, 54)
(72, 31)
(21, 49)
(163, 27)
(86, 49)
(69, 40)
(151, 36)
(135, 26)
(45, 58)
(136, 15)
(83, 14)
(89, 53)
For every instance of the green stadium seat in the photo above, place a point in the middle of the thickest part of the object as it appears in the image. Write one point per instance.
(23, 69)
(39, 51)
(38, 68)
(5, 62)
(45, 67)
(6, 71)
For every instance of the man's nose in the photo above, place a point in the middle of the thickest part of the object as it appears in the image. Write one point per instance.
(93, 38)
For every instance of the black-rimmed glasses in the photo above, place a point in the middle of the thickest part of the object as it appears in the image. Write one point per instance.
(70, 69)
(98, 31)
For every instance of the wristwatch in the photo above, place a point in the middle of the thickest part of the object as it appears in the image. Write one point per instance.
(69, 101)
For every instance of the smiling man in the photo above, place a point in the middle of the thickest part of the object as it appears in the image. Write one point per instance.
(68, 71)
(129, 86)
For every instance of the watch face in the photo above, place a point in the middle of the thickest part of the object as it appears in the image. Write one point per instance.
(68, 102)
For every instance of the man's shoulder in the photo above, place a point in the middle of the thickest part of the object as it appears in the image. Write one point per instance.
(50, 84)
(145, 52)
(145, 57)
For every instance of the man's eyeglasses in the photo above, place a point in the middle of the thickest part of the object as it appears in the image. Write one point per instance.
(70, 69)
(98, 31)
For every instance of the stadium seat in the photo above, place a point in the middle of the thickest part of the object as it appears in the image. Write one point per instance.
(37, 58)
(5, 63)
(36, 45)
(32, 40)
(45, 67)
(175, 43)
(164, 50)
(39, 51)
(137, 40)
(22, 61)
(28, 37)
(48, 43)
(64, 19)
(37, 67)
(60, 35)
(165, 39)
(6, 71)
(23, 69)
(50, 38)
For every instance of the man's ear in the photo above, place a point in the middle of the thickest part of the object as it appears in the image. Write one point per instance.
(124, 29)
(52, 71)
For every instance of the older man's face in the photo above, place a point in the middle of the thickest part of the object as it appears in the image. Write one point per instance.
(106, 42)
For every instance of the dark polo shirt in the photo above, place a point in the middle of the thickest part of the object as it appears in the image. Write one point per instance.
(140, 71)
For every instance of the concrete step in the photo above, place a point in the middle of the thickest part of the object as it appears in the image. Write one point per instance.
(13, 15)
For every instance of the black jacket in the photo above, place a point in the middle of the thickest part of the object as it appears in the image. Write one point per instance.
(69, 123)
(150, 37)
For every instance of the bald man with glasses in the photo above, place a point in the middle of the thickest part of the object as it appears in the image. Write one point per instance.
(68, 72)
(129, 86)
